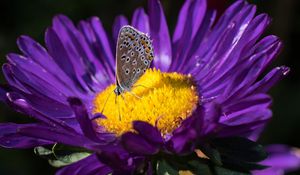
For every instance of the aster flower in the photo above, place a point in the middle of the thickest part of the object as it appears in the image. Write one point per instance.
(202, 107)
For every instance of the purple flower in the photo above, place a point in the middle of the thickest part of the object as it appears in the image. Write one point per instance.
(205, 85)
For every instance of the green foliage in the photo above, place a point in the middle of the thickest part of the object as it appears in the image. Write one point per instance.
(226, 156)
(61, 155)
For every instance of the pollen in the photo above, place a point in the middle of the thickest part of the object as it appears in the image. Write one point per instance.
(162, 99)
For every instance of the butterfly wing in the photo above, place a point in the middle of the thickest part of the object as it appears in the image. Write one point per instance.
(134, 54)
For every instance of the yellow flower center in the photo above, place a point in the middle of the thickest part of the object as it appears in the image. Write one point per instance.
(161, 99)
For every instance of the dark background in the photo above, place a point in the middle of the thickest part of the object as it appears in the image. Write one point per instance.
(31, 17)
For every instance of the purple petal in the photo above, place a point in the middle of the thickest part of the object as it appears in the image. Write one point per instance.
(19, 103)
(119, 22)
(9, 138)
(159, 33)
(57, 135)
(104, 76)
(39, 55)
(33, 75)
(194, 60)
(229, 45)
(83, 118)
(269, 80)
(281, 160)
(183, 142)
(223, 37)
(102, 46)
(61, 56)
(140, 20)
(245, 78)
(197, 10)
(242, 75)
(11, 79)
(40, 103)
(138, 145)
(84, 60)
(236, 113)
(116, 157)
(190, 19)
(149, 132)
(209, 118)
(88, 166)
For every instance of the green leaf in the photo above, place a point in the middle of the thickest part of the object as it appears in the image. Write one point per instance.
(164, 168)
(68, 159)
(61, 155)
(240, 149)
(242, 165)
(212, 153)
(59, 149)
(224, 171)
(44, 152)
(199, 167)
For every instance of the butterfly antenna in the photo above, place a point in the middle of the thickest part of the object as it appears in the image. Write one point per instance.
(106, 102)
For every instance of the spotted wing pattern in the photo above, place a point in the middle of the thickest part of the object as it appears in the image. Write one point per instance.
(134, 54)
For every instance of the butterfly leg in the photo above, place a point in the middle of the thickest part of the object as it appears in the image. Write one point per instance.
(135, 95)
(119, 113)
(123, 98)
(143, 86)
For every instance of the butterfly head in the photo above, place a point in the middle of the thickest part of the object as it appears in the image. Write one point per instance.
(118, 90)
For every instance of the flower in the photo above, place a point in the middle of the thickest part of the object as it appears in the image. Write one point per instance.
(212, 68)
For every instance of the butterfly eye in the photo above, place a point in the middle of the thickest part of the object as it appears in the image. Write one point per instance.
(132, 54)
(144, 70)
(133, 70)
(138, 70)
(142, 58)
(127, 71)
(127, 59)
(123, 57)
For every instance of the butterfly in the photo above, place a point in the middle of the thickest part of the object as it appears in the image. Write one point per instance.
(134, 54)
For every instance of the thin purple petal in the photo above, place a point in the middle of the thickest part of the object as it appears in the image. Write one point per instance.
(159, 33)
